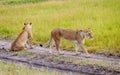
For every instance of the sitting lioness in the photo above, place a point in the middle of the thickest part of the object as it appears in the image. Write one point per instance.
(23, 37)
(77, 37)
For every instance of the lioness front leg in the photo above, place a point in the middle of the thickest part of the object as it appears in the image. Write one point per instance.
(26, 44)
(30, 37)
(82, 47)
(31, 43)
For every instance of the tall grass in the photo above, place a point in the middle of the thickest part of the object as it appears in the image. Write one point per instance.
(102, 16)
(14, 2)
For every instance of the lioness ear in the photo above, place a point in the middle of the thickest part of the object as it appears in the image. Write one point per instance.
(24, 23)
(30, 23)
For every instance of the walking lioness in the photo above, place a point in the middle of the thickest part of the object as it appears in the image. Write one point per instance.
(23, 37)
(77, 37)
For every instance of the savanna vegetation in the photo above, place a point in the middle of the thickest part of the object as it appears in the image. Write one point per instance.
(102, 16)
(11, 69)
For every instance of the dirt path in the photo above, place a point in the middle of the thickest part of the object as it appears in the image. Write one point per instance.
(6, 44)
(94, 64)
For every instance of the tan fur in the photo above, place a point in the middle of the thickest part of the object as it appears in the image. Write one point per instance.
(23, 37)
(76, 36)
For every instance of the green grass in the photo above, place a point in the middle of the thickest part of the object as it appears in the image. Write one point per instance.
(14, 2)
(102, 16)
(10, 69)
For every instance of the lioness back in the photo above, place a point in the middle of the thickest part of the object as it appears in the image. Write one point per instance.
(22, 38)
(64, 33)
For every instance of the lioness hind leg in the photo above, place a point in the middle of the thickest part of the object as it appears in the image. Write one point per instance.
(57, 44)
(50, 46)
(18, 48)
(58, 47)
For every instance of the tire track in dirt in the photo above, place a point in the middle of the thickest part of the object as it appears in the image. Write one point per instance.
(6, 44)
(87, 70)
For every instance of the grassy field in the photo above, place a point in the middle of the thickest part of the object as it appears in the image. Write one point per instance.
(14, 2)
(10, 69)
(102, 16)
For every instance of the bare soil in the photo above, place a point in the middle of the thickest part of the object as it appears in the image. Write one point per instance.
(69, 61)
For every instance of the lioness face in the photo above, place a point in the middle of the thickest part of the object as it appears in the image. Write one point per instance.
(27, 26)
(89, 34)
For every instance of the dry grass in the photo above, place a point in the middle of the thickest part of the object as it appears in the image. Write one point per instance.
(10, 69)
(102, 16)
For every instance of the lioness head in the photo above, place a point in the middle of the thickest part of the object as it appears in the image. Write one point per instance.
(27, 26)
(86, 33)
